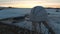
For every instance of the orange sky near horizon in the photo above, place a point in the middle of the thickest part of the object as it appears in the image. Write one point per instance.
(30, 4)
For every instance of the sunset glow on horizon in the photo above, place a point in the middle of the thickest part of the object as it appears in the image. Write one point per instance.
(30, 3)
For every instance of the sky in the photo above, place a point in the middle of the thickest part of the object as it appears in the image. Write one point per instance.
(30, 3)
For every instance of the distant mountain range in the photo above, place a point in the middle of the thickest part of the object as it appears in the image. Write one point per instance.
(1, 8)
(5, 7)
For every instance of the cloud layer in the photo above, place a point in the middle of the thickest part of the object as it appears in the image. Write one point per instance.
(29, 3)
(47, 1)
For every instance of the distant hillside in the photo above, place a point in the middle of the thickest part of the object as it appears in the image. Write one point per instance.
(1, 8)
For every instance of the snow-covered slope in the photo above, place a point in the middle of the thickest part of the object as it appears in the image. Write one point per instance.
(13, 12)
(54, 18)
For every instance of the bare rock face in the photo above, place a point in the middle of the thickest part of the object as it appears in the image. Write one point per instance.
(38, 13)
